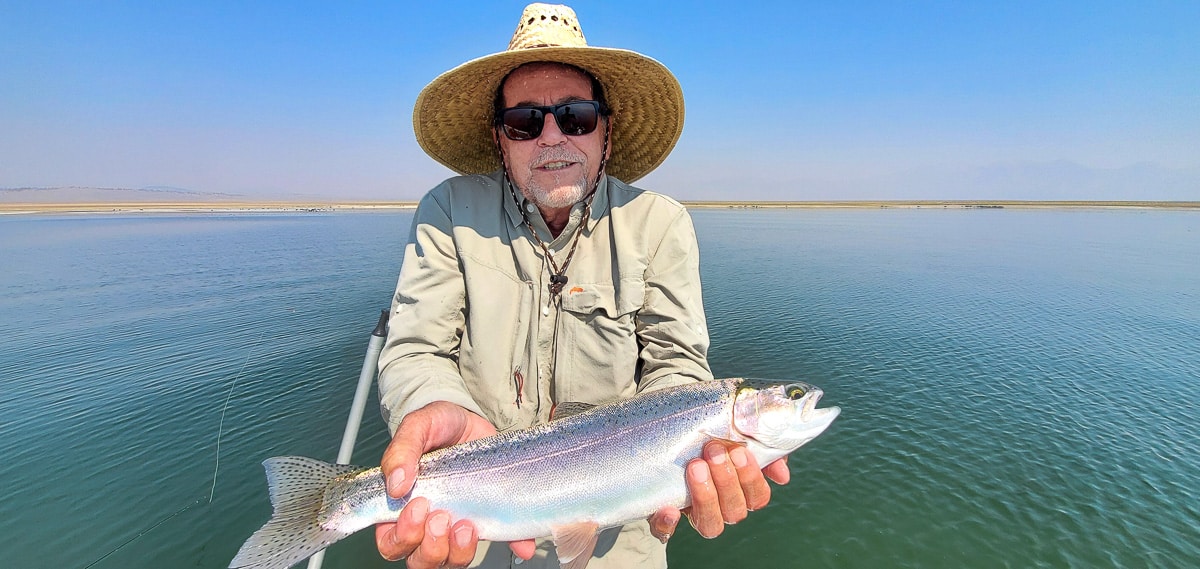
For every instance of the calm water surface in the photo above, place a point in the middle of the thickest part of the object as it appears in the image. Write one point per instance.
(1020, 388)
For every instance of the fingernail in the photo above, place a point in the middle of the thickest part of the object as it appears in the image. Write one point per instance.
(738, 456)
(671, 520)
(715, 454)
(462, 536)
(395, 482)
(699, 472)
(417, 510)
(439, 524)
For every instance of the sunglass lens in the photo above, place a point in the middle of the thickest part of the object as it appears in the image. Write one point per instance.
(576, 118)
(522, 123)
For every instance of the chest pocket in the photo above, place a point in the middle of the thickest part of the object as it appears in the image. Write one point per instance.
(599, 324)
(588, 299)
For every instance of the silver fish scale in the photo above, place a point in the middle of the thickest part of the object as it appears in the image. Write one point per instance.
(523, 483)
(531, 444)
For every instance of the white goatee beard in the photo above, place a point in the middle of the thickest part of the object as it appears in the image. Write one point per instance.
(563, 193)
(560, 197)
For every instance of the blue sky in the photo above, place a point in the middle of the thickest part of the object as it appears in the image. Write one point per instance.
(785, 100)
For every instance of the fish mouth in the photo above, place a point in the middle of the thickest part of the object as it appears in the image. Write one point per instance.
(804, 404)
(807, 408)
(807, 403)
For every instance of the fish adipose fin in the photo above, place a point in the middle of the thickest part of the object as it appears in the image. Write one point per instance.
(574, 543)
(297, 487)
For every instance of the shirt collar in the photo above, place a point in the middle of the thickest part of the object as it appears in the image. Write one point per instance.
(599, 204)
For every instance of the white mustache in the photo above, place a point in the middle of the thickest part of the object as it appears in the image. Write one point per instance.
(558, 154)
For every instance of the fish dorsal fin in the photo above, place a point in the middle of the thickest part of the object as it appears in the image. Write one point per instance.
(568, 408)
(574, 543)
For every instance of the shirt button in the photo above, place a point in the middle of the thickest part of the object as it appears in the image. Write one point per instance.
(545, 310)
(529, 207)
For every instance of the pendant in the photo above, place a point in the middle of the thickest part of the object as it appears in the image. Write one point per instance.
(556, 284)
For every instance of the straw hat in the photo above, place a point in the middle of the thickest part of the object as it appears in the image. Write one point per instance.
(453, 114)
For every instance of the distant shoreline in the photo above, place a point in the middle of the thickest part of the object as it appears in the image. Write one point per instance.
(943, 204)
(318, 206)
(200, 207)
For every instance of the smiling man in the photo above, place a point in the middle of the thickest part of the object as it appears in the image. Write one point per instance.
(539, 276)
(554, 166)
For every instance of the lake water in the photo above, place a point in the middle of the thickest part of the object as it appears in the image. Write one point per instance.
(1020, 388)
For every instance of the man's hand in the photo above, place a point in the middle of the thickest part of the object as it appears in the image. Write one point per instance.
(724, 485)
(424, 538)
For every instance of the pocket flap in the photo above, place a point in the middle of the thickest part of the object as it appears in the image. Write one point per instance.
(585, 298)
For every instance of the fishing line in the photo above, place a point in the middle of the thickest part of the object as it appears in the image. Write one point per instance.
(145, 531)
(212, 492)
(221, 425)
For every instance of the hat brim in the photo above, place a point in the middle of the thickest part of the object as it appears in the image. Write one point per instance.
(452, 116)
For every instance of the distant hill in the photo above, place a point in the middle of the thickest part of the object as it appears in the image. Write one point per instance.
(77, 194)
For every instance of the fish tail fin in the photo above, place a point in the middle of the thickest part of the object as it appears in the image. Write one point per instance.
(297, 485)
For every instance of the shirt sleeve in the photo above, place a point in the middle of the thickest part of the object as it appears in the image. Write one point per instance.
(671, 326)
(419, 361)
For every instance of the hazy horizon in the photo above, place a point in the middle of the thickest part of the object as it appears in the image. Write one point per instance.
(785, 101)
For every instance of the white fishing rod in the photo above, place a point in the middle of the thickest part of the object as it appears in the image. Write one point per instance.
(365, 378)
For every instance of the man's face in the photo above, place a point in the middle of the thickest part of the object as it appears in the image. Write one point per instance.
(554, 170)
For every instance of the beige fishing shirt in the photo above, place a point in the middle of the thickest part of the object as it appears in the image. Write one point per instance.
(473, 322)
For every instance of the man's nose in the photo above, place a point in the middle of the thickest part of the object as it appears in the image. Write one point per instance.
(551, 134)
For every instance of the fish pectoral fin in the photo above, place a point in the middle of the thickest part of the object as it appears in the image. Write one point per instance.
(731, 437)
(574, 543)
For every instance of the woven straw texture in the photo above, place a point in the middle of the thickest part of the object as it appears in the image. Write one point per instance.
(453, 114)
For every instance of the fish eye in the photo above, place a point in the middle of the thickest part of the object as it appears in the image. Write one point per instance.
(795, 392)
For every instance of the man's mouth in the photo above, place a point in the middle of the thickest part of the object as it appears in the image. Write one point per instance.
(555, 165)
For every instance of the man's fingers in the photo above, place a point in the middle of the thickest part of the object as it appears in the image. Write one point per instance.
(399, 462)
(705, 512)
(435, 548)
(436, 425)
(385, 541)
(725, 480)
(663, 522)
(778, 471)
(462, 545)
(414, 437)
(754, 486)
(427, 540)
(524, 548)
(397, 541)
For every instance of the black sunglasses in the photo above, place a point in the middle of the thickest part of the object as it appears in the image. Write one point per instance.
(574, 118)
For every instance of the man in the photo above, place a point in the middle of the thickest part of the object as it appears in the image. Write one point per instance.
(539, 277)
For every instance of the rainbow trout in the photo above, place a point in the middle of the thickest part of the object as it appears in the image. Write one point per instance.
(589, 469)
